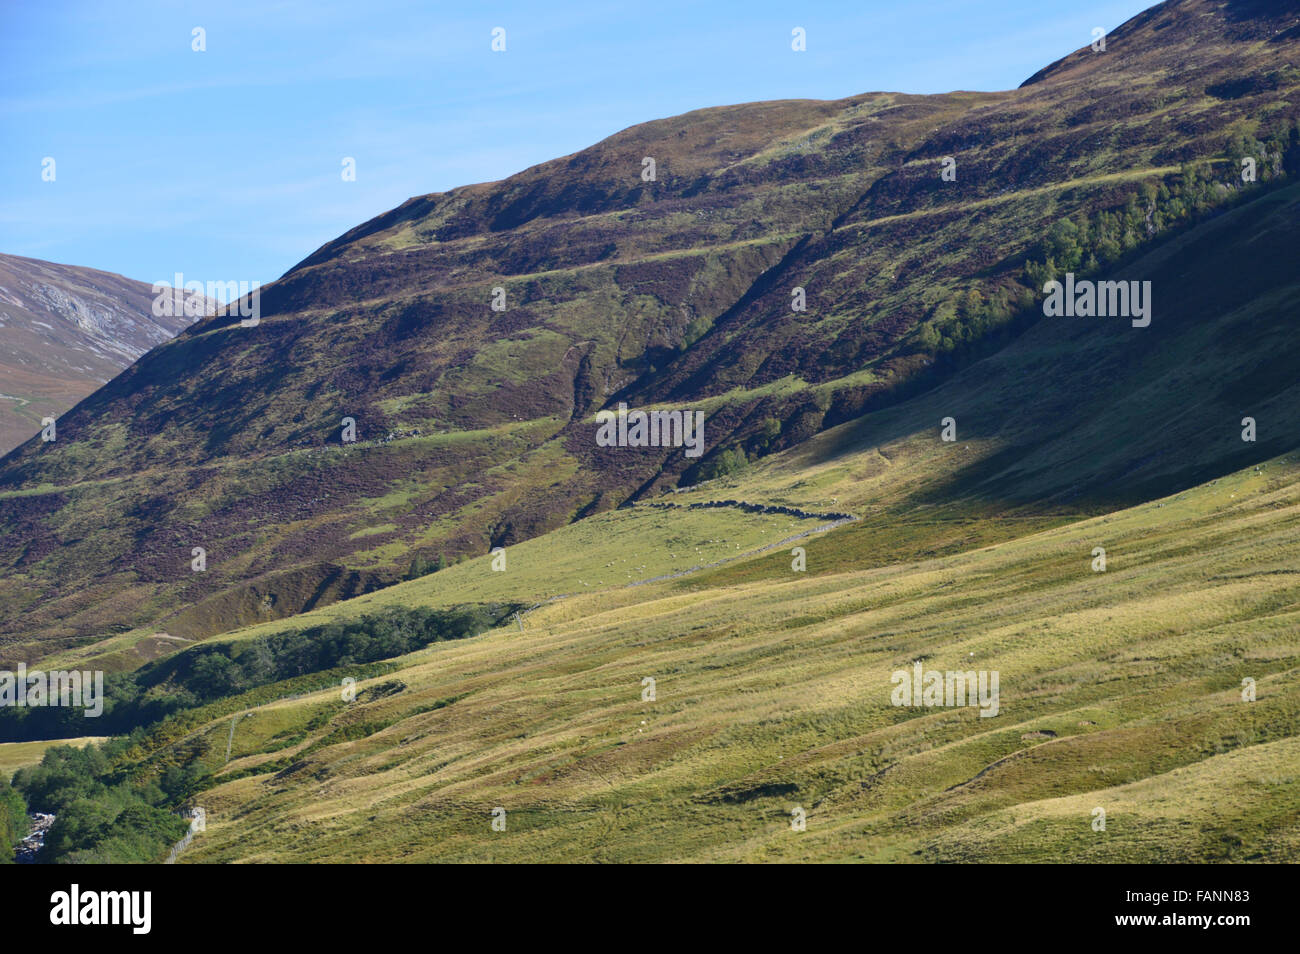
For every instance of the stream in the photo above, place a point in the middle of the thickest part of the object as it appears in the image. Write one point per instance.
(35, 840)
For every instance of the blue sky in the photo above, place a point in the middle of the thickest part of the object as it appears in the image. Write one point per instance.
(225, 164)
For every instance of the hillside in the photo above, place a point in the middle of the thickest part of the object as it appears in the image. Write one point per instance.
(476, 426)
(1075, 417)
(64, 331)
(1119, 689)
(675, 659)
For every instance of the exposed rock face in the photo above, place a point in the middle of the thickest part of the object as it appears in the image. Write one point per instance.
(64, 331)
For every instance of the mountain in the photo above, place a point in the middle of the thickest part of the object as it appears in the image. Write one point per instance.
(64, 331)
(680, 659)
(674, 689)
(476, 427)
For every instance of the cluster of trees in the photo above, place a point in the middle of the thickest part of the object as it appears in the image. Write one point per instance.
(1277, 156)
(1088, 243)
(979, 320)
(126, 705)
(769, 437)
(13, 820)
(728, 461)
(422, 567)
(210, 672)
(973, 318)
(98, 819)
(108, 812)
(205, 673)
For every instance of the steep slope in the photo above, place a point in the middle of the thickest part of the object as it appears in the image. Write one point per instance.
(1123, 689)
(64, 331)
(1120, 690)
(1075, 413)
(476, 425)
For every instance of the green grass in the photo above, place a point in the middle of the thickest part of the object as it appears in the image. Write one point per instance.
(775, 693)
(1120, 690)
(588, 556)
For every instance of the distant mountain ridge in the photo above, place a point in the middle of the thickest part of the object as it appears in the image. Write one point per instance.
(64, 331)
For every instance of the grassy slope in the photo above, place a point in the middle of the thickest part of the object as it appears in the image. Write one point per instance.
(773, 687)
(1119, 690)
(591, 555)
(776, 693)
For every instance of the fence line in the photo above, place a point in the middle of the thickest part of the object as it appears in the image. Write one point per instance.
(198, 822)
